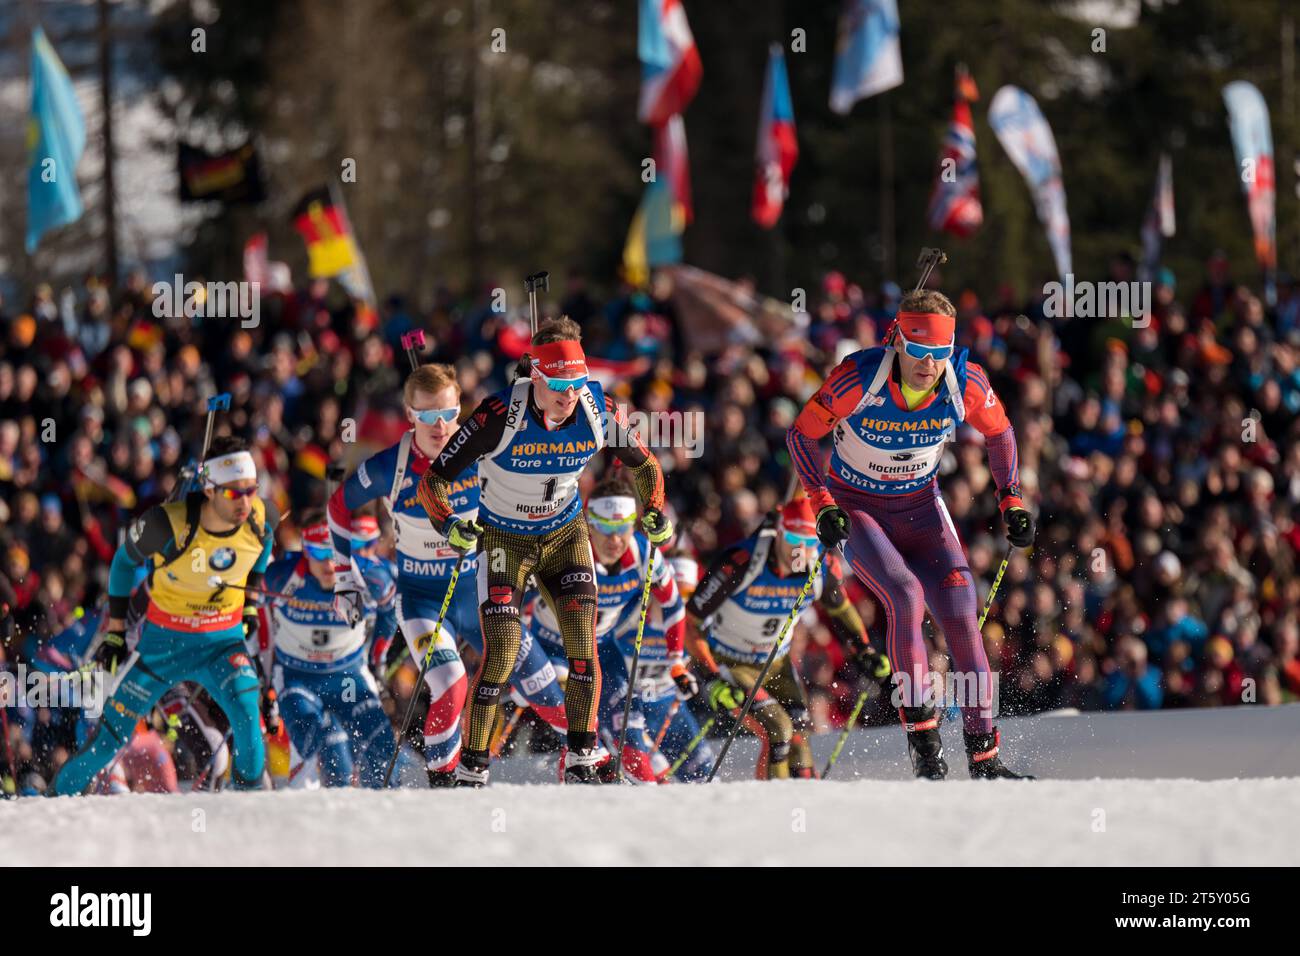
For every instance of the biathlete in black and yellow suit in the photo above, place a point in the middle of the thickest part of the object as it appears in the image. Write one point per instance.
(201, 553)
(532, 442)
(741, 605)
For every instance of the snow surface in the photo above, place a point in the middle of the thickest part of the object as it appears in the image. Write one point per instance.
(860, 822)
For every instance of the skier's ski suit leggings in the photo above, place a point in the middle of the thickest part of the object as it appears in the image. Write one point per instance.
(561, 562)
(906, 550)
(217, 660)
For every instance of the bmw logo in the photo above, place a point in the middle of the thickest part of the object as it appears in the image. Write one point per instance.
(222, 559)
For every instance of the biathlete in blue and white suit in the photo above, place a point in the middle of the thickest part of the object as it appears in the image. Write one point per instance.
(328, 698)
(424, 565)
(620, 554)
(658, 696)
(738, 613)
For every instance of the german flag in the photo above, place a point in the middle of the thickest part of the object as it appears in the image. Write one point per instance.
(324, 226)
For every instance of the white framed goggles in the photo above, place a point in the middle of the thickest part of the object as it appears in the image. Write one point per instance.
(430, 416)
(940, 353)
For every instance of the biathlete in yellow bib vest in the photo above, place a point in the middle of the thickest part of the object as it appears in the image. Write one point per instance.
(201, 554)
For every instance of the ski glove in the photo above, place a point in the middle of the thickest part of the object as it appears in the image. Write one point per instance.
(252, 626)
(832, 526)
(1020, 527)
(111, 651)
(657, 526)
(462, 536)
(873, 663)
(687, 685)
(347, 596)
(270, 700)
(722, 696)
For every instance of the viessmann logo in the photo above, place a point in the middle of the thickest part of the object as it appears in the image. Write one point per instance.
(77, 909)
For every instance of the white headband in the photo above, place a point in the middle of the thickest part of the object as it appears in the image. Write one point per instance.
(614, 508)
(228, 468)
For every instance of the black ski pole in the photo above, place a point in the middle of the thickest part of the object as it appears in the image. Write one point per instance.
(767, 666)
(537, 282)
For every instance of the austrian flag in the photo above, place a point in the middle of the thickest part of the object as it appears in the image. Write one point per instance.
(670, 62)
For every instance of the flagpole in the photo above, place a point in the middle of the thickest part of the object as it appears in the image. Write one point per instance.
(887, 190)
(106, 104)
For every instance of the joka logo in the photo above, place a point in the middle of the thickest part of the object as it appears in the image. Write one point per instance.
(222, 559)
(500, 595)
(134, 910)
(239, 660)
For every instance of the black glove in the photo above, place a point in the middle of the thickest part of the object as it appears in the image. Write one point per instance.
(1020, 527)
(873, 663)
(111, 651)
(832, 526)
(270, 700)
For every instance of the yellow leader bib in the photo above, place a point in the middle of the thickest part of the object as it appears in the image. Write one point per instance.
(181, 595)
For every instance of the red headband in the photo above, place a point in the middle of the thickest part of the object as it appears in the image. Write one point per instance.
(316, 534)
(797, 517)
(926, 328)
(560, 359)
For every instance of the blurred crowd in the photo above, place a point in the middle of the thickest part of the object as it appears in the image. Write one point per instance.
(1162, 457)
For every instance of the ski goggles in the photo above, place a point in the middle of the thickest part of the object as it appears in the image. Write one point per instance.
(320, 552)
(940, 353)
(560, 384)
(612, 514)
(610, 525)
(430, 416)
(807, 542)
(234, 494)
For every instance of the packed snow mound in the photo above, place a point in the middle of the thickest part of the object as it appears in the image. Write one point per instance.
(861, 822)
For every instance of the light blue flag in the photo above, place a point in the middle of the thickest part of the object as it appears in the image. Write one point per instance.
(56, 138)
(663, 242)
(868, 59)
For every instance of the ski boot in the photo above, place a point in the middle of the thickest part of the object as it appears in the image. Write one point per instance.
(441, 778)
(581, 765)
(472, 771)
(982, 758)
(924, 745)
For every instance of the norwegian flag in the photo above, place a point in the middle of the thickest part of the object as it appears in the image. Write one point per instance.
(955, 202)
(672, 160)
(670, 62)
(778, 150)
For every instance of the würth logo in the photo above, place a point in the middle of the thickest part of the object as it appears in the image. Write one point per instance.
(75, 909)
